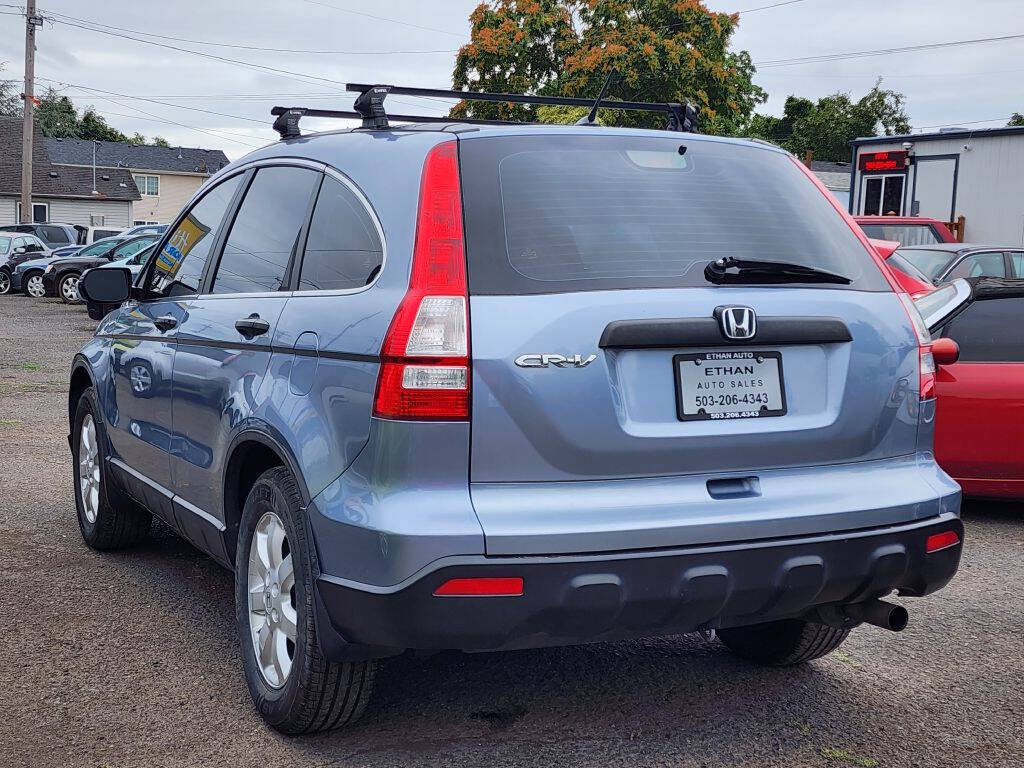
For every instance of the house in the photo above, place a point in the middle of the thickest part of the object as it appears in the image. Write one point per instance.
(835, 176)
(953, 173)
(166, 177)
(63, 194)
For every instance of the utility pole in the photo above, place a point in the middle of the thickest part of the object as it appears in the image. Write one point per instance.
(31, 22)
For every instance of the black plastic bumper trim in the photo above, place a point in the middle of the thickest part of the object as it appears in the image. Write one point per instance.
(574, 599)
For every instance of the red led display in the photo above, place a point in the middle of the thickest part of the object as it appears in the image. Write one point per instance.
(883, 161)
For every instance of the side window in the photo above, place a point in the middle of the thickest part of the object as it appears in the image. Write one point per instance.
(986, 331)
(178, 268)
(56, 235)
(980, 265)
(343, 249)
(1017, 259)
(266, 231)
(20, 242)
(129, 249)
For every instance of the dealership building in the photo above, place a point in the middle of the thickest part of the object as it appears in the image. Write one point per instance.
(956, 175)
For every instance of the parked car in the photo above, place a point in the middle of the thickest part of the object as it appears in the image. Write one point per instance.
(948, 261)
(906, 230)
(145, 229)
(15, 248)
(591, 388)
(27, 277)
(980, 417)
(54, 235)
(134, 264)
(910, 278)
(60, 278)
(94, 234)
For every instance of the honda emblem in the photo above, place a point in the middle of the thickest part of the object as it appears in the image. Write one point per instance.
(737, 323)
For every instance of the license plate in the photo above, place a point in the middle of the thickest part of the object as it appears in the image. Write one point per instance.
(729, 385)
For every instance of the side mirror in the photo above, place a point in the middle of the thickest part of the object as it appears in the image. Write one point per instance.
(945, 351)
(885, 248)
(106, 286)
(20, 249)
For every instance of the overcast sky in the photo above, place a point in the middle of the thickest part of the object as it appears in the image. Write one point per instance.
(412, 42)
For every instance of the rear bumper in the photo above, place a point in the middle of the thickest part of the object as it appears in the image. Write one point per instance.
(16, 282)
(50, 283)
(586, 598)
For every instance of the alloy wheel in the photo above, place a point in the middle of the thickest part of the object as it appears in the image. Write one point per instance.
(140, 379)
(34, 287)
(69, 289)
(5, 282)
(89, 469)
(271, 590)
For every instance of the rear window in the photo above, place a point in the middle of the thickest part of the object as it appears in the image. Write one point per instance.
(548, 214)
(904, 234)
(931, 263)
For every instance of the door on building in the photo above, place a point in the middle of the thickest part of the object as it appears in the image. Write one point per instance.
(882, 194)
(934, 190)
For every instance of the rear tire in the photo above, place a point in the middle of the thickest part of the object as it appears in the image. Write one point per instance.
(783, 643)
(107, 518)
(5, 282)
(293, 686)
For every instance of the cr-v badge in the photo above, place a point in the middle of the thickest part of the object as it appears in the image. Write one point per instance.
(559, 361)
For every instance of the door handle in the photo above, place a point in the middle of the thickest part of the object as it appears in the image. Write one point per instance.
(166, 322)
(252, 326)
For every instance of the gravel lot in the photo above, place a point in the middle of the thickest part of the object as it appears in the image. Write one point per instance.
(131, 659)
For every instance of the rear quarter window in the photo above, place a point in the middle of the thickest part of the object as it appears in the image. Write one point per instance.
(555, 213)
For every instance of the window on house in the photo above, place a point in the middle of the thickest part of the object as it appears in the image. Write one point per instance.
(143, 223)
(40, 212)
(148, 185)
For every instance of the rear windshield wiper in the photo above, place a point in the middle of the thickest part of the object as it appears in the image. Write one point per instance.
(733, 270)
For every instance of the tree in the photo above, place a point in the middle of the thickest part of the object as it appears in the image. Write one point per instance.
(662, 50)
(10, 96)
(160, 141)
(1016, 119)
(828, 125)
(56, 116)
(94, 126)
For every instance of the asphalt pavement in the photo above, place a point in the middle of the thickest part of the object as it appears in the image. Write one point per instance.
(131, 659)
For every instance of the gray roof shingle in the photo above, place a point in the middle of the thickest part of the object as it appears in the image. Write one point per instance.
(49, 180)
(138, 157)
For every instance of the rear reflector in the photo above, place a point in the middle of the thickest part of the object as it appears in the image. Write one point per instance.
(484, 587)
(943, 540)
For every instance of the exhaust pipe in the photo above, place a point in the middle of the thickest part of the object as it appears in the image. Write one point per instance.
(878, 612)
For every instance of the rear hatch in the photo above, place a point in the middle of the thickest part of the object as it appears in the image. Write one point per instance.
(598, 344)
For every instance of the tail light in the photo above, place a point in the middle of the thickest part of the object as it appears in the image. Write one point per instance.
(425, 371)
(926, 362)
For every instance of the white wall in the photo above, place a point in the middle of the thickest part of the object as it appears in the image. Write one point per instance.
(117, 213)
(990, 185)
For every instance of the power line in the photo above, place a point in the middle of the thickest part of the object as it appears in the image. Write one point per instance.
(460, 35)
(883, 51)
(59, 16)
(773, 5)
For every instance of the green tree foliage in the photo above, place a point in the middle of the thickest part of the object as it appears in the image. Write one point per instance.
(10, 96)
(1016, 119)
(828, 125)
(662, 50)
(57, 117)
(160, 141)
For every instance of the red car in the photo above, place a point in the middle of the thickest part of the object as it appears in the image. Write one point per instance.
(980, 388)
(906, 230)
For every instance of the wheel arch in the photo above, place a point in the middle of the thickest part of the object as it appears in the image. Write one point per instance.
(252, 452)
(81, 379)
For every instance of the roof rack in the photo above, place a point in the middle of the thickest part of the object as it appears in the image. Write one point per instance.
(369, 107)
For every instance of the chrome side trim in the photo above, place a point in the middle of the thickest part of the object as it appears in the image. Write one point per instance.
(174, 498)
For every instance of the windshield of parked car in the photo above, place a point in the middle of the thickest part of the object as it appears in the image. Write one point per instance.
(5, 246)
(555, 212)
(98, 248)
(904, 234)
(931, 263)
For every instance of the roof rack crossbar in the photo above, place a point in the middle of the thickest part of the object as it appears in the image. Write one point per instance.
(518, 98)
(369, 108)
